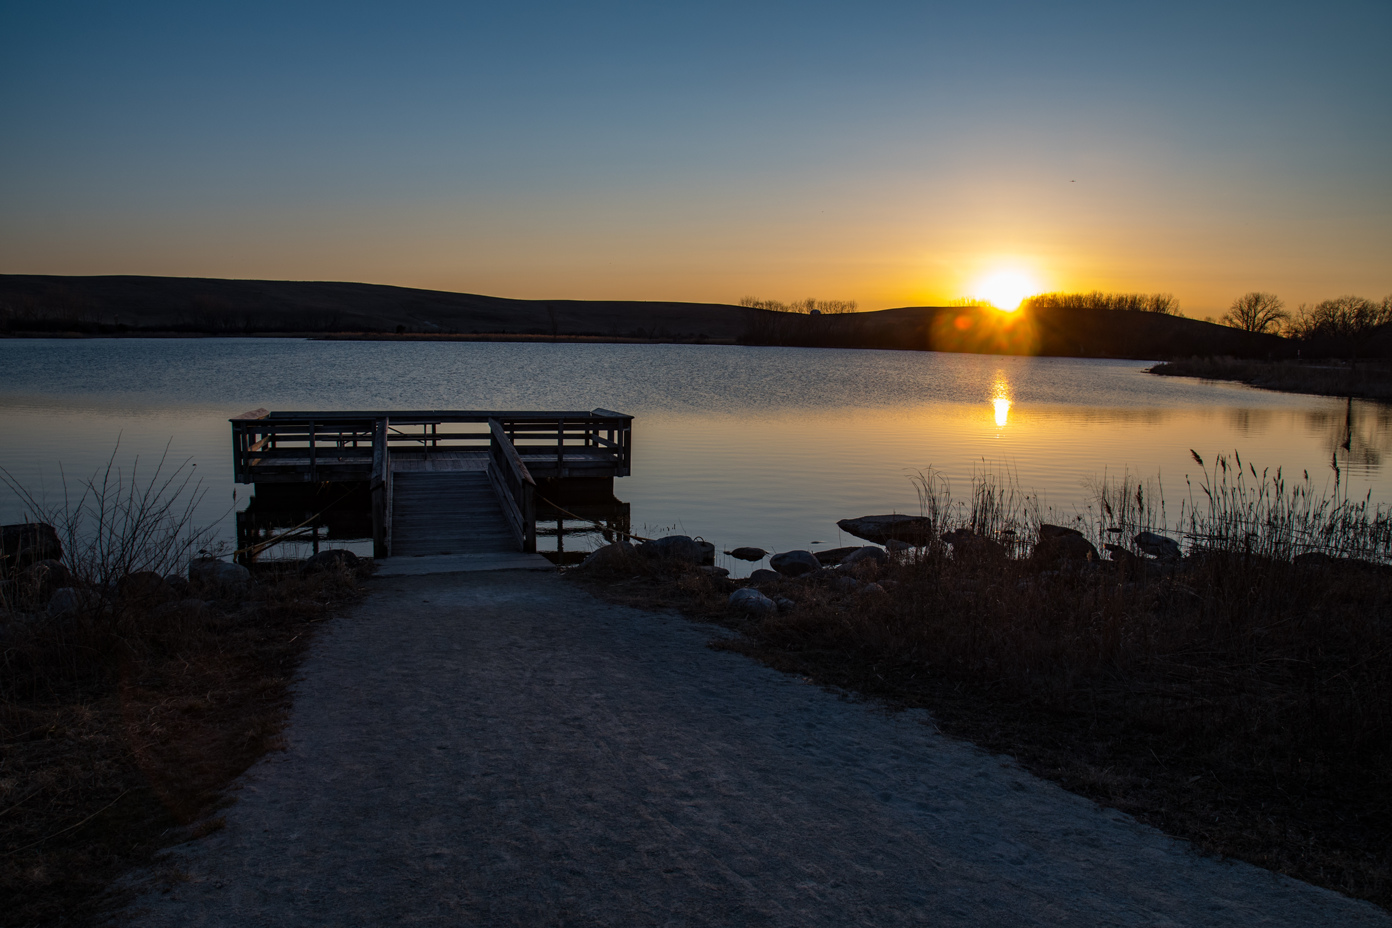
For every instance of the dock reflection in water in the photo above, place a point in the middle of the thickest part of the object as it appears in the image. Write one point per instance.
(290, 522)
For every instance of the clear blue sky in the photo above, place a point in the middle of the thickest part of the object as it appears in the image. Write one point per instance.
(890, 153)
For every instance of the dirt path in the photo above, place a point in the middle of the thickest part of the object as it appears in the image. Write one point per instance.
(502, 749)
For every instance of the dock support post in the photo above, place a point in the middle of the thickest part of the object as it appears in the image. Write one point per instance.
(381, 492)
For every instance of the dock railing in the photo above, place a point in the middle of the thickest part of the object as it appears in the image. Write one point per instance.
(314, 447)
(513, 485)
(381, 488)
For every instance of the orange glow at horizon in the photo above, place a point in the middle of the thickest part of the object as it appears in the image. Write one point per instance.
(1005, 289)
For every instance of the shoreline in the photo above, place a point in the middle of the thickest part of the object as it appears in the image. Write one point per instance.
(1369, 380)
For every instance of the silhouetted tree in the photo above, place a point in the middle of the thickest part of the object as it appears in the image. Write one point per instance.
(1342, 317)
(1256, 312)
(1163, 303)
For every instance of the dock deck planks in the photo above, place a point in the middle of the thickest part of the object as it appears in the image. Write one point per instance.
(447, 513)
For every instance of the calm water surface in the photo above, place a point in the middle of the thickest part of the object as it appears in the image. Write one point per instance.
(759, 446)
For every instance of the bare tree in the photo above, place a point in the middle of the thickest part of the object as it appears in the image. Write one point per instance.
(1256, 312)
(1342, 317)
(810, 305)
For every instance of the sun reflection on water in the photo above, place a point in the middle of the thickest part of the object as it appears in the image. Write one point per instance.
(1000, 399)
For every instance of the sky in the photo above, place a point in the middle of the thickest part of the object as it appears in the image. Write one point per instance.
(883, 152)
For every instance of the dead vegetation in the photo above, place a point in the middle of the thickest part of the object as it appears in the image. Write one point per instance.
(120, 732)
(1239, 697)
(137, 680)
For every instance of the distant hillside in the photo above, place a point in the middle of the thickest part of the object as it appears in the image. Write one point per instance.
(32, 304)
(115, 305)
(1086, 333)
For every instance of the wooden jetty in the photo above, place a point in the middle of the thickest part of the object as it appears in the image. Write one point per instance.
(441, 482)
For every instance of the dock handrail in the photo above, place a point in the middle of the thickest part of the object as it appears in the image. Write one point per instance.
(513, 485)
(381, 489)
(329, 445)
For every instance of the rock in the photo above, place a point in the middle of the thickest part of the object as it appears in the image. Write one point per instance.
(1120, 555)
(179, 609)
(178, 585)
(713, 570)
(616, 556)
(70, 600)
(143, 586)
(1057, 531)
(751, 602)
(679, 548)
(1166, 549)
(211, 571)
(1315, 560)
(845, 584)
(26, 542)
(895, 546)
(872, 589)
(784, 604)
(866, 555)
(41, 578)
(748, 554)
(795, 563)
(333, 559)
(916, 530)
(967, 545)
(764, 576)
(834, 555)
(1062, 547)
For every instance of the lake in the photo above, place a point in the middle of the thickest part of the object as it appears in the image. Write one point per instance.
(742, 446)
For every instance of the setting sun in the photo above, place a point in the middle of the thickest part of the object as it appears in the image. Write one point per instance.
(1006, 289)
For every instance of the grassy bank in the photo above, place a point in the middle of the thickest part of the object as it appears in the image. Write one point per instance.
(1367, 379)
(132, 693)
(1239, 696)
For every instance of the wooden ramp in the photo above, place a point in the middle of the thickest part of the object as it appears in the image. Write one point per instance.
(455, 513)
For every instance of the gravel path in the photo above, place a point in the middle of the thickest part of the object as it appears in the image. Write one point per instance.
(503, 749)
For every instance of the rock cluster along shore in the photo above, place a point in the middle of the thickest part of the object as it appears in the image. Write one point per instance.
(37, 586)
(855, 569)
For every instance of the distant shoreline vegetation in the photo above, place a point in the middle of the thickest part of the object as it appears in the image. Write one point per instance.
(1143, 326)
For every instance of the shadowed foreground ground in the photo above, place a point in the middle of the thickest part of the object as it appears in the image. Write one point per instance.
(501, 748)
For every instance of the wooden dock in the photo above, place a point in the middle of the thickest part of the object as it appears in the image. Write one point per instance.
(442, 482)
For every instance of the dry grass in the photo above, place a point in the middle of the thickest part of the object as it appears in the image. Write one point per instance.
(1367, 379)
(1235, 698)
(108, 761)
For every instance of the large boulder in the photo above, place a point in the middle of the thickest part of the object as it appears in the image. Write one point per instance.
(1166, 549)
(27, 542)
(1058, 545)
(143, 586)
(749, 601)
(1121, 555)
(748, 554)
(764, 575)
(832, 556)
(916, 530)
(179, 610)
(679, 548)
(616, 556)
(969, 546)
(866, 555)
(335, 559)
(71, 600)
(210, 571)
(795, 563)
